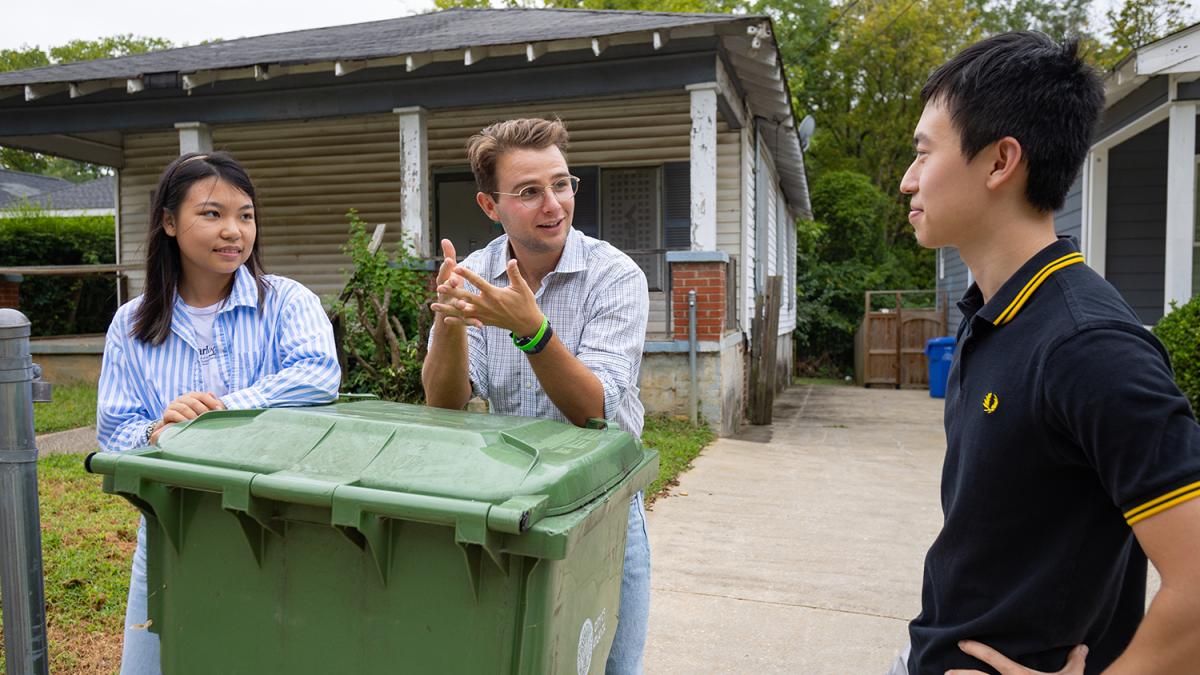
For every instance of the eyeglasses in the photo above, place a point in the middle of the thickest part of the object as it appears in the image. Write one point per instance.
(562, 189)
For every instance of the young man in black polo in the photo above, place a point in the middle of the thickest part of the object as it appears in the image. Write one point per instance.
(1070, 449)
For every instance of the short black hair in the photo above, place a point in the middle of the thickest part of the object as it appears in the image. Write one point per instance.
(1025, 85)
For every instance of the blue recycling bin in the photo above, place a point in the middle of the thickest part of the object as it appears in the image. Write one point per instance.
(940, 352)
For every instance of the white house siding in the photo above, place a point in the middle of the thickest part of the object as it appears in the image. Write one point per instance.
(748, 259)
(608, 132)
(307, 175)
(146, 155)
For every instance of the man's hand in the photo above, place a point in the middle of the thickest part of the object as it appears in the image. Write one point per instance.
(449, 279)
(513, 308)
(187, 407)
(1006, 666)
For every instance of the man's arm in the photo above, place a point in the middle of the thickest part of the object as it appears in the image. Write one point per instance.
(444, 373)
(570, 384)
(1168, 639)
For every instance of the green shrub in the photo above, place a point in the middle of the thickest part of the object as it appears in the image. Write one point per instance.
(61, 305)
(384, 319)
(1179, 332)
(853, 212)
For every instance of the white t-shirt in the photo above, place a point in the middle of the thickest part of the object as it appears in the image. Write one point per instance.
(202, 324)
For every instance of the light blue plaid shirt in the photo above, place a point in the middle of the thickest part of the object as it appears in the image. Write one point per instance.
(281, 356)
(597, 302)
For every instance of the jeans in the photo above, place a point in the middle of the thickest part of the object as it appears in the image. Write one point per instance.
(140, 655)
(900, 666)
(633, 616)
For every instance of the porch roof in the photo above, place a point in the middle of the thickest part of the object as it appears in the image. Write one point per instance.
(465, 36)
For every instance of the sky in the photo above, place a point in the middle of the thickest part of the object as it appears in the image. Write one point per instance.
(48, 23)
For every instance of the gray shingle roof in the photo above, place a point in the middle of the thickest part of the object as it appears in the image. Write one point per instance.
(422, 33)
(19, 185)
(94, 194)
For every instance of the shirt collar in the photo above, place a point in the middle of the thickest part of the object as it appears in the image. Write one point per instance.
(573, 258)
(244, 293)
(1020, 287)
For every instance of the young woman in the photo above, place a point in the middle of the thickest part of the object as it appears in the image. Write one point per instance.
(211, 331)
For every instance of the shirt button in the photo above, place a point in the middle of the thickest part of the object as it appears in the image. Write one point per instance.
(528, 384)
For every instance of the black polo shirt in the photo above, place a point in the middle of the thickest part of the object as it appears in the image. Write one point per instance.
(1064, 427)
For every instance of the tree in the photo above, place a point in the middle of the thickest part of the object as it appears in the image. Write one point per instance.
(1137, 23)
(864, 90)
(75, 50)
(1059, 20)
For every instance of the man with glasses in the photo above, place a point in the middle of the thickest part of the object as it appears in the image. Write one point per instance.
(545, 322)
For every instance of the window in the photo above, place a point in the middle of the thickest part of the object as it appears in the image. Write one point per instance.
(458, 217)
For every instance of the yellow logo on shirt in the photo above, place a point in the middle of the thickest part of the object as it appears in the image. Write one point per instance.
(990, 402)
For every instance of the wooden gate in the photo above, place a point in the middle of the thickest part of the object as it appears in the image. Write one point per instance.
(889, 347)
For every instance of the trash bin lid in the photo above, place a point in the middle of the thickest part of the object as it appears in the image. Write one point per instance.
(413, 449)
(938, 343)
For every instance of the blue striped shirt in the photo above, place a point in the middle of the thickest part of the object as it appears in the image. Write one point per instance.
(281, 356)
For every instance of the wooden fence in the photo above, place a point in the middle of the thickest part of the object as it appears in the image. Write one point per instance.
(889, 347)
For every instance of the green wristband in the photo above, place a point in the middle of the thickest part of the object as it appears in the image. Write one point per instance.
(530, 344)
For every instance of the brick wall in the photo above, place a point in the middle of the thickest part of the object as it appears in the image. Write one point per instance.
(10, 293)
(708, 280)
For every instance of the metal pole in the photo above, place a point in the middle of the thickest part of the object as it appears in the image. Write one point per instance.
(20, 532)
(695, 386)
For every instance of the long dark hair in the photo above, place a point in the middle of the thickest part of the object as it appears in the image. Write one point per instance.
(152, 320)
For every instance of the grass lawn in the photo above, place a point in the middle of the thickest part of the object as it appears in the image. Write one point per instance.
(87, 542)
(74, 406)
(677, 444)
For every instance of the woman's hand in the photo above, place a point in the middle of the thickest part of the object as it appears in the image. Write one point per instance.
(187, 407)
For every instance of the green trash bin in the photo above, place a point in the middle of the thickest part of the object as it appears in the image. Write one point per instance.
(373, 537)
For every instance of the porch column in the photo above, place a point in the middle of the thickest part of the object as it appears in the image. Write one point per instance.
(1095, 208)
(194, 137)
(1181, 203)
(704, 165)
(415, 227)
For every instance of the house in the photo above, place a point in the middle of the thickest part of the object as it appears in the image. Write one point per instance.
(92, 198)
(17, 185)
(1134, 206)
(681, 125)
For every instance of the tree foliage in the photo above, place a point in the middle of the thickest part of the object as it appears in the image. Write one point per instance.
(384, 319)
(75, 50)
(1139, 22)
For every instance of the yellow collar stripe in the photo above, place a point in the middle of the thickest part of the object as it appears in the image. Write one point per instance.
(1172, 498)
(1018, 302)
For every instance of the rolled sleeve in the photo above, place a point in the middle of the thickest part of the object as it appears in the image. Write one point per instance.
(121, 418)
(308, 372)
(614, 334)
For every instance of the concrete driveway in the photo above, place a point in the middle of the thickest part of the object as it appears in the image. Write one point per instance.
(798, 547)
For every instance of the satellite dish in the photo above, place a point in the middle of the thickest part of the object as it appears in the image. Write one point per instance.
(807, 127)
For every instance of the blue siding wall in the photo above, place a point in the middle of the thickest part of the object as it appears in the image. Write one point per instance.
(1137, 216)
(954, 282)
(1069, 219)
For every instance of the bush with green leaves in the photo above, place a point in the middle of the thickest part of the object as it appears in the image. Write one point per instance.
(853, 212)
(61, 305)
(1179, 332)
(839, 257)
(384, 318)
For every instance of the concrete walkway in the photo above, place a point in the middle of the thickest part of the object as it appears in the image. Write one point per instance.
(798, 547)
(72, 441)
